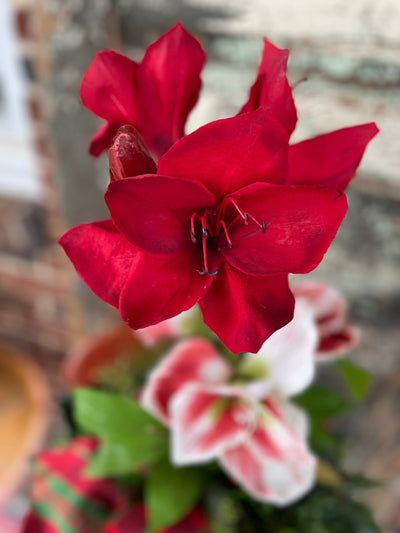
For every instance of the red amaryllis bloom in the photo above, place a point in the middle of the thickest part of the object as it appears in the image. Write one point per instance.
(156, 95)
(216, 225)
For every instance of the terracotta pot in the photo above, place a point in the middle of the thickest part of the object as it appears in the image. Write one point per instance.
(24, 416)
(83, 361)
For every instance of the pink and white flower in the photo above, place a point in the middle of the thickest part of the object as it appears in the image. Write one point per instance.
(242, 416)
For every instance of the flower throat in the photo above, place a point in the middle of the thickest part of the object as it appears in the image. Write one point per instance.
(212, 224)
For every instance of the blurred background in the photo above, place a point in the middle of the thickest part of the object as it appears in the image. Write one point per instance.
(350, 54)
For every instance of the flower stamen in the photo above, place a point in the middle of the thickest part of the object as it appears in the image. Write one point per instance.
(222, 224)
(232, 201)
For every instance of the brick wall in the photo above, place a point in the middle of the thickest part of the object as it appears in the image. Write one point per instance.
(36, 308)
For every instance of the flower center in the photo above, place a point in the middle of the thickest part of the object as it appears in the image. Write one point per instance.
(219, 222)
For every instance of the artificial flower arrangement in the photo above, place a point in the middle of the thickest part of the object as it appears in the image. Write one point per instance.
(208, 423)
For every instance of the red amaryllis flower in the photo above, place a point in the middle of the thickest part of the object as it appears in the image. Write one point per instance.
(217, 226)
(156, 95)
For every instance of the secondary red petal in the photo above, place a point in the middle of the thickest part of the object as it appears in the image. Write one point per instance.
(338, 344)
(160, 288)
(271, 88)
(108, 87)
(103, 138)
(327, 305)
(329, 308)
(330, 160)
(245, 310)
(154, 212)
(101, 256)
(228, 154)
(191, 360)
(300, 224)
(205, 423)
(129, 155)
(168, 87)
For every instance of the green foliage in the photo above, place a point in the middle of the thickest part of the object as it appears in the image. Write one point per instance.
(322, 404)
(115, 460)
(324, 510)
(329, 510)
(356, 378)
(224, 512)
(114, 417)
(170, 493)
(128, 372)
(358, 481)
(130, 437)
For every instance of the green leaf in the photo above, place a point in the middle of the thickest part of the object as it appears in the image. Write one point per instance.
(322, 442)
(357, 379)
(358, 481)
(329, 510)
(130, 437)
(223, 509)
(115, 418)
(322, 403)
(115, 460)
(171, 493)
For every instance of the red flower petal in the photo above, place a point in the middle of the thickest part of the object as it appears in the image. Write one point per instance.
(168, 87)
(327, 305)
(160, 288)
(329, 309)
(101, 256)
(330, 160)
(103, 138)
(108, 87)
(191, 360)
(154, 211)
(228, 154)
(245, 310)
(129, 155)
(300, 225)
(271, 88)
(338, 344)
(205, 424)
